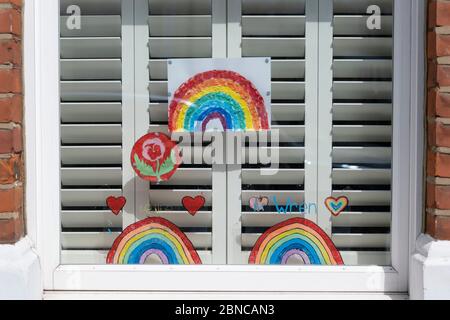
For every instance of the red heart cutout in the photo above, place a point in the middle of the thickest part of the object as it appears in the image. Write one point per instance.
(116, 204)
(193, 205)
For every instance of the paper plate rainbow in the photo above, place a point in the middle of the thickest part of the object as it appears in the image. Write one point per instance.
(219, 100)
(153, 236)
(295, 237)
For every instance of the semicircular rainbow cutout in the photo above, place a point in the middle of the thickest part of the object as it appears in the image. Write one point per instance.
(218, 100)
(295, 237)
(153, 236)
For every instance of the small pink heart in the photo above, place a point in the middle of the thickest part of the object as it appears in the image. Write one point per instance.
(116, 204)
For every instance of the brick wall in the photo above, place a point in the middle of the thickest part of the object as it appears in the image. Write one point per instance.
(438, 162)
(11, 109)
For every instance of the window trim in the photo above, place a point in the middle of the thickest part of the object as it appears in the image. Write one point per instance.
(43, 182)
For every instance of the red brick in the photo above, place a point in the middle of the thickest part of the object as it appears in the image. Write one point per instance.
(438, 226)
(17, 3)
(438, 103)
(431, 102)
(11, 109)
(11, 230)
(443, 13)
(11, 140)
(10, 52)
(11, 170)
(431, 44)
(438, 164)
(11, 200)
(439, 134)
(10, 80)
(438, 45)
(438, 13)
(10, 21)
(432, 74)
(443, 75)
(443, 45)
(431, 14)
(438, 197)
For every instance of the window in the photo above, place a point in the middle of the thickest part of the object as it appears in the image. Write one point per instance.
(333, 104)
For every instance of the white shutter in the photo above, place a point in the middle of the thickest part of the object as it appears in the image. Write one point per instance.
(361, 128)
(362, 118)
(276, 29)
(91, 129)
(184, 29)
(95, 120)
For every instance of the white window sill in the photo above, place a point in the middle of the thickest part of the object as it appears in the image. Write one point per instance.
(20, 272)
(430, 269)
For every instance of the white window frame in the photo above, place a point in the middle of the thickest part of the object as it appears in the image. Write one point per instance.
(43, 182)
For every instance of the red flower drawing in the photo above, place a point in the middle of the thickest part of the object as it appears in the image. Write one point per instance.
(153, 149)
(155, 157)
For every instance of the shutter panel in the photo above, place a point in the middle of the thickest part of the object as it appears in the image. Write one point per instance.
(362, 132)
(180, 29)
(276, 29)
(91, 129)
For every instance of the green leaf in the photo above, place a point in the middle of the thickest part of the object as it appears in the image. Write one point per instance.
(167, 165)
(143, 168)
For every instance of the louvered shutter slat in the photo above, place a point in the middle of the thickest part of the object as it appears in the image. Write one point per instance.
(288, 69)
(92, 219)
(180, 47)
(272, 25)
(359, 68)
(363, 219)
(357, 25)
(91, 112)
(362, 47)
(362, 133)
(345, 7)
(91, 134)
(362, 111)
(362, 90)
(79, 91)
(91, 155)
(272, 47)
(81, 197)
(180, 7)
(179, 26)
(91, 176)
(93, 26)
(362, 176)
(90, 69)
(361, 155)
(269, 7)
(282, 177)
(172, 197)
(93, 7)
(85, 48)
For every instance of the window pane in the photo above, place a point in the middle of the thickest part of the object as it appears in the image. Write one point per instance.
(274, 29)
(91, 127)
(362, 129)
